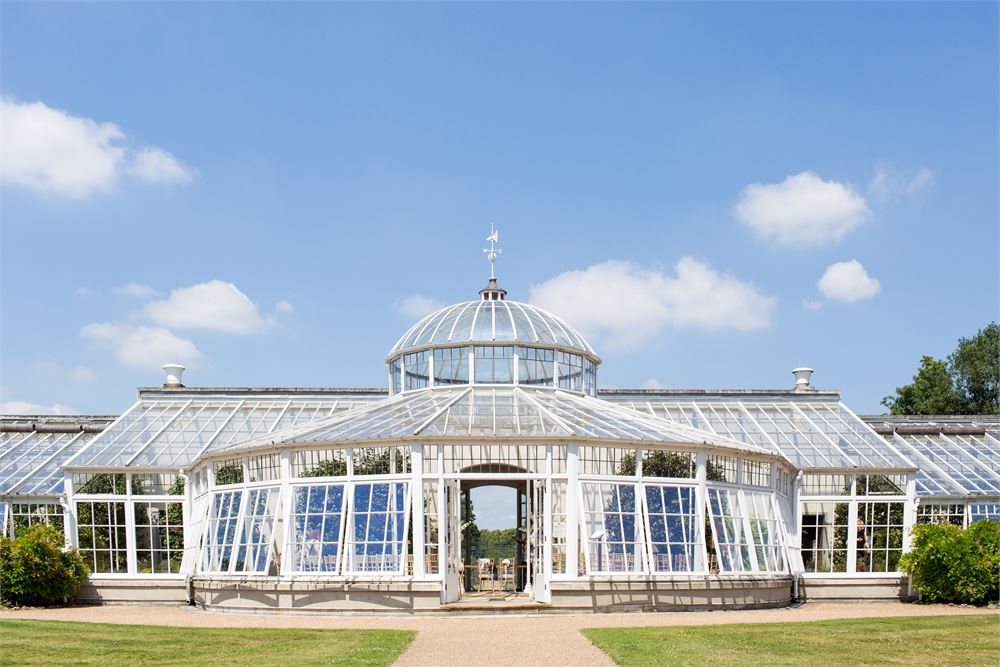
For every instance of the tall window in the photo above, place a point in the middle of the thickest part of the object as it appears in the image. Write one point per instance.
(224, 513)
(451, 365)
(766, 532)
(317, 514)
(416, 368)
(253, 546)
(535, 366)
(431, 546)
(824, 536)
(159, 537)
(731, 543)
(377, 529)
(880, 536)
(672, 530)
(394, 379)
(101, 535)
(494, 364)
(611, 527)
(590, 377)
(570, 368)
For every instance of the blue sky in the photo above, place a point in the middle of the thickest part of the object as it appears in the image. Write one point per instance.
(710, 191)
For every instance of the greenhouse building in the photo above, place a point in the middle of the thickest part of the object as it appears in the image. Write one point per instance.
(353, 499)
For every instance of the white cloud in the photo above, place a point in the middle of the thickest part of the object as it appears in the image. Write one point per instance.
(158, 166)
(801, 211)
(284, 307)
(626, 305)
(417, 305)
(652, 383)
(889, 184)
(48, 150)
(83, 292)
(137, 290)
(141, 346)
(25, 408)
(848, 282)
(812, 304)
(51, 151)
(213, 306)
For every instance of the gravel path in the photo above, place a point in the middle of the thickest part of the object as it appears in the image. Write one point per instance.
(503, 641)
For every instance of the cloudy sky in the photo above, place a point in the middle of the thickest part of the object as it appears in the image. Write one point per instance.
(271, 194)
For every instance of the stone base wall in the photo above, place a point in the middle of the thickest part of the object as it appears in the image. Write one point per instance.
(316, 595)
(854, 589)
(132, 591)
(593, 594)
(687, 594)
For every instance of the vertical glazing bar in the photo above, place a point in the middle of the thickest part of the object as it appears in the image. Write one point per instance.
(69, 513)
(283, 529)
(417, 493)
(572, 510)
(132, 566)
(852, 533)
(700, 498)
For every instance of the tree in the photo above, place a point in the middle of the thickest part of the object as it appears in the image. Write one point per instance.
(659, 463)
(930, 393)
(975, 368)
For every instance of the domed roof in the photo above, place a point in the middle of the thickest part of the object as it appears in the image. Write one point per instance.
(491, 320)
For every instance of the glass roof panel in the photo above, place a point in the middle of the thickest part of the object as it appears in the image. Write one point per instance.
(955, 461)
(810, 433)
(173, 433)
(32, 465)
(504, 322)
(483, 328)
(492, 412)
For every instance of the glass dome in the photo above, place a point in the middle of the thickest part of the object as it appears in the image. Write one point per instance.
(491, 319)
(492, 341)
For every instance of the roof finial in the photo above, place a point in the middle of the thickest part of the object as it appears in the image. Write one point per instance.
(493, 251)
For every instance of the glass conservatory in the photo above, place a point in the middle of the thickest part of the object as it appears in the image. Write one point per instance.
(357, 499)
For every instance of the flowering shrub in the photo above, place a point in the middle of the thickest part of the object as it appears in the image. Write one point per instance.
(35, 571)
(949, 564)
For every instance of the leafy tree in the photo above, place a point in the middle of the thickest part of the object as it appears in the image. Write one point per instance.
(930, 393)
(231, 473)
(668, 464)
(498, 544)
(34, 569)
(109, 483)
(975, 368)
(967, 383)
(327, 468)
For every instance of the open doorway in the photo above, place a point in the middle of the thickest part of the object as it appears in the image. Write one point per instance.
(500, 541)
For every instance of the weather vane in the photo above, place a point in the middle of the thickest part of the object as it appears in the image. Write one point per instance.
(492, 251)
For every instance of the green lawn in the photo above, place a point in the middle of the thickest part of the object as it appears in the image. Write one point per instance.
(923, 640)
(61, 643)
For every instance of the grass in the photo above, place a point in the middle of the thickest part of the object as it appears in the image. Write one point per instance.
(65, 643)
(923, 640)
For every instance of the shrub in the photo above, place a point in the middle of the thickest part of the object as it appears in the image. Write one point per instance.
(949, 564)
(35, 571)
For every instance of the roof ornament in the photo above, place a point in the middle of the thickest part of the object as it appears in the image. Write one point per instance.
(492, 252)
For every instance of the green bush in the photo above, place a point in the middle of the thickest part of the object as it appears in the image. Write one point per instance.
(950, 564)
(35, 571)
